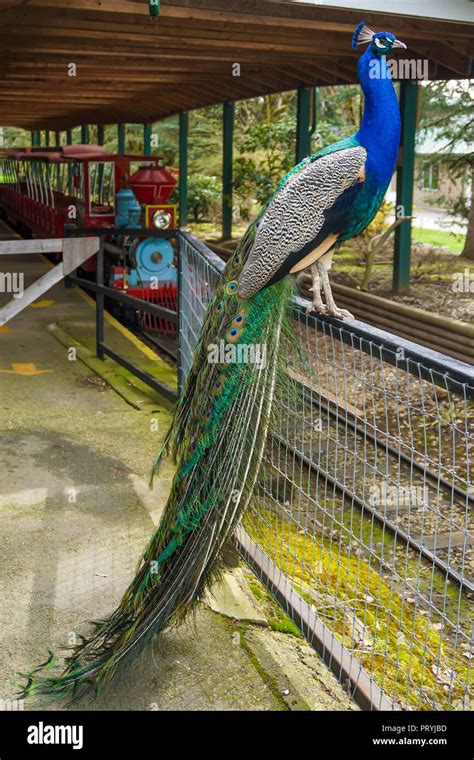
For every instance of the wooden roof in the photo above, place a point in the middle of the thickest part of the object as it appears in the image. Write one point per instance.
(131, 68)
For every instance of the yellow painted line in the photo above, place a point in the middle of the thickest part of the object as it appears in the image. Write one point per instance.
(42, 304)
(4, 329)
(27, 369)
(48, 263)
(10, 230)
(115, 323)
(125, 332)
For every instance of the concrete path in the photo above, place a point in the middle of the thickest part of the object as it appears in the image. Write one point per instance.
(75, 515)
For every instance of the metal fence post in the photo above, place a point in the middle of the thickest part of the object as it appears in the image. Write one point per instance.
(69, 231)
(180, 286)
(99, 313)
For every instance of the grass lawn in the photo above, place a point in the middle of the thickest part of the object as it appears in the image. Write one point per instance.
(452, 240)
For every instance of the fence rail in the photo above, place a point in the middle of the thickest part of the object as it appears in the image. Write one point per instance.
(361, 525)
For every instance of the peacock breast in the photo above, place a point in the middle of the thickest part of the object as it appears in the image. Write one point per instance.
(365, 207)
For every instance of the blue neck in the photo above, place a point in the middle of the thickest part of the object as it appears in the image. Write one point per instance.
(379, 131)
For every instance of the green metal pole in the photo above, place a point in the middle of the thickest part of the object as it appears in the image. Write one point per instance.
(314, 116)
(147, 139)
(100, 134)
(84, 134)
(33, 138)
(46, 137)
(227, 173)
(303, 130)
(69, 167)
(121, 138)
(57, 144)
(183, 167)
(38, 138)
(405, 180)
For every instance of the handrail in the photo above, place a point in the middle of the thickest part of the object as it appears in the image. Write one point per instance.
(75, 252)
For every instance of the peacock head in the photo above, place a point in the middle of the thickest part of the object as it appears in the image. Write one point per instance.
(381, 43)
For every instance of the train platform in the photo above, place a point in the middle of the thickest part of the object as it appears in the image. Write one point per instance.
(76, 447)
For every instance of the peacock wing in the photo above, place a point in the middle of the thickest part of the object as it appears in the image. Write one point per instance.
(306, 215)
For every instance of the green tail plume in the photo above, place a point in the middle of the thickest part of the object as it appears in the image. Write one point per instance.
(217, 439)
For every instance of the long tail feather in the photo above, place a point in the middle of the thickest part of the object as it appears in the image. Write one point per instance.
(217, 437)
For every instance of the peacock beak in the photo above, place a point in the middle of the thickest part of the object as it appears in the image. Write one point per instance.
(399, 44)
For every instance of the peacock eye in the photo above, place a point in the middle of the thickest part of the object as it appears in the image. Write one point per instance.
(379, 43)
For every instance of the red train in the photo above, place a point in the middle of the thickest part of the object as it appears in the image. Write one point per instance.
(44, 189)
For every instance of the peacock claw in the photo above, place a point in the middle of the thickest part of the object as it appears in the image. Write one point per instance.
(316, 306)
(339, 313)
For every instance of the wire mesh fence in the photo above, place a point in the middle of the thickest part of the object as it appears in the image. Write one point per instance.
(362, 522)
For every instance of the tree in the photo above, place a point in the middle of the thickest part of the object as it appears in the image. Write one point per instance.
(204, 197)
(446, 111)
(265, 139)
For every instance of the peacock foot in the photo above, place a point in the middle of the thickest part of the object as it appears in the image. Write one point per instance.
(317, 306)
(335, 311)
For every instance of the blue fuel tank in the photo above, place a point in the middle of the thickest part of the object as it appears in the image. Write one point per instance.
(129, 211)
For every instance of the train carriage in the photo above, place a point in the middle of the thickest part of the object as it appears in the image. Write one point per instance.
(44, 189)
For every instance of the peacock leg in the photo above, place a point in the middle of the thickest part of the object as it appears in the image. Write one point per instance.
(324, 264)
(317, 303)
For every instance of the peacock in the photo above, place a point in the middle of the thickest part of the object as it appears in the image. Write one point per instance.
(221, 421)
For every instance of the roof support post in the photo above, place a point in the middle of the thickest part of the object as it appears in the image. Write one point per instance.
(227, 172)
(84, 134)
(33, 139)
(121, 138)
(69, 166)
(303, 128)
(57, 144)
(100, 134)
(405, 180)
(183, 167)
(147, 139)
(46, 137)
